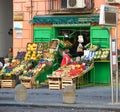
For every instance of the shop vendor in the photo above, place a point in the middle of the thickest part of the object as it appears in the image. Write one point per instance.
(66, 58)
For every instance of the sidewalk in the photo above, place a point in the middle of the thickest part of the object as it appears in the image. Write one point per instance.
(88, 97)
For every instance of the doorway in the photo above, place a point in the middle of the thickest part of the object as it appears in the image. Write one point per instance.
(6, 25)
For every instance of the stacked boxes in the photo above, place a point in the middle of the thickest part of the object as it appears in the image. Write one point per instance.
(55, 83)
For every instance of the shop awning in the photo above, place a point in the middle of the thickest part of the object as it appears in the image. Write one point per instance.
(65, 19)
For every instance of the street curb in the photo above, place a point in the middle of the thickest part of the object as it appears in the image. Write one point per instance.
(70, 106)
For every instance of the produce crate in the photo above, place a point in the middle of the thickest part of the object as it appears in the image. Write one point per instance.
(27, 83)
(68, 82)
(8, 83)
(12, 77)
(54, 83)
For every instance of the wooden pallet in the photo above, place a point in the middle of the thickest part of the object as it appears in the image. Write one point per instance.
(54, 83)
(68, 82)
(8, 83)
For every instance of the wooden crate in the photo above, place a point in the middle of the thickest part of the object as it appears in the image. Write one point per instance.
(54, 83)
(27, 83)
(66, 81)
(8, 83)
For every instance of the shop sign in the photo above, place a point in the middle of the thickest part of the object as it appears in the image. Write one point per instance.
(18, 25)
(18, 17)
(18, 33)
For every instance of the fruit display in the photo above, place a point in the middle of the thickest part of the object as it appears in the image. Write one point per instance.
(31, 51)
(14, 63)
(72, 70)
(93, 47)
(65, 44)
(49, 55)
(8, 71)
(17, 68)
(42, 50)
(42, 46)
(47, 51)
(54, 44)
(33, 72)
(20, 55)
(102, 54)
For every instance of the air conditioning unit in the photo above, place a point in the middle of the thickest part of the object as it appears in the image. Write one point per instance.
(108, 15)
(112, 1)
(75, 4)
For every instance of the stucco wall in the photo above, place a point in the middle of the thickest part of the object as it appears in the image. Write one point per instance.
(39, 7)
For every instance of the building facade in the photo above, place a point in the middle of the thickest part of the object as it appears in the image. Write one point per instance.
(25, 10)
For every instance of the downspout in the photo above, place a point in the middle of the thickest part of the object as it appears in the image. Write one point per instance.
(31, 11)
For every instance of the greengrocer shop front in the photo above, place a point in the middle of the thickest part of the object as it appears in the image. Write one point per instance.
(68, 28)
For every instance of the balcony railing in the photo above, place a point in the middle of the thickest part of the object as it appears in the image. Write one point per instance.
(61, 7)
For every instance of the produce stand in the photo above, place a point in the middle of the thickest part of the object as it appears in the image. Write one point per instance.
(7, 76)
(42, 76)
(45, 54)
(68, 76)
(50, 55)
(28, 78)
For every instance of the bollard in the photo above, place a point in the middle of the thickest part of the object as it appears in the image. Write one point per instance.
(20, 93)
(69, 94)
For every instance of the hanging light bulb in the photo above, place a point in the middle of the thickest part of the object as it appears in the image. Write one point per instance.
(66, 35)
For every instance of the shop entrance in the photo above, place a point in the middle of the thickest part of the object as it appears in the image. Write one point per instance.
(6, 25)
(72, 34)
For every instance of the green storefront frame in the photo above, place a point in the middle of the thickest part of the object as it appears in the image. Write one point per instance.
(101, 36)
(78, 22)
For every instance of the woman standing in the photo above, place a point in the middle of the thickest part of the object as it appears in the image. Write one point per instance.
(66, 58)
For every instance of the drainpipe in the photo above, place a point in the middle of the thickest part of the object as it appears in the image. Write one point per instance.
(31, 9)
(31, 12)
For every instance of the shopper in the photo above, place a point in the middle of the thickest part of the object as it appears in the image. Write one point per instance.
(10, 54)
(7, 63)
(66, 58)
(1, 65)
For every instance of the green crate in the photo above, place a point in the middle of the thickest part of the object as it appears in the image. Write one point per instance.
(100, 36)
